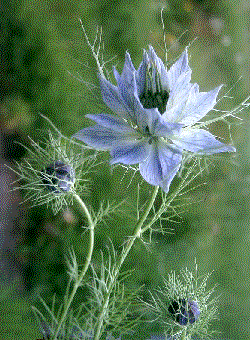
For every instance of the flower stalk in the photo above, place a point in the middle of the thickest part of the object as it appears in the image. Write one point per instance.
(184, 335)
(78, 281)
(137, 233)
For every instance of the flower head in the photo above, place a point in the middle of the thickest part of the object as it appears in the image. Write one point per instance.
(155, 115)
(184, 305)
(184, 311)
(50, 172)
(58, 177)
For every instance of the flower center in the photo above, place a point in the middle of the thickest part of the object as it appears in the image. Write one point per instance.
(149, 136)
(154, 96)
(58, 177)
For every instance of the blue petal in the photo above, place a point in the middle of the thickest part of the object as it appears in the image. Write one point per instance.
(128, 91)
(161, 165)
(141, 74)
(127, 74)
(186, 105)
(101, 138)
(131, 152)
(128, 62)
(201, 141)
(162, 128)
(160, 67)
(128, 65)
(178, 98)
(179, 67)
(198, 105)
(114, 100)
(111, 122)
(152, 120)
(127, 87)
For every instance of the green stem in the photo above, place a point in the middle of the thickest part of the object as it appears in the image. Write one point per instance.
(85, 267)
(172, 197)
(126, 250)
(184, 335)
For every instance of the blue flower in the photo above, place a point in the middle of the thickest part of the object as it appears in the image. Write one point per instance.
(155, 115)
(184, 311)
(58, 177)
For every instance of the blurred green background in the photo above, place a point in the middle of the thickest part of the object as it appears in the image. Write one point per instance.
(41, 41)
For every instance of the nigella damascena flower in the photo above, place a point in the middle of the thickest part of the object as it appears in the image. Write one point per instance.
(58, 177)
(184, 306)
(50, 173)
(156, 112)
(184, 311)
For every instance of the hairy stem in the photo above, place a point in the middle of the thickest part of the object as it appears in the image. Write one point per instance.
(184, 183)
(85, 267)
(184, 335)
(126, 250)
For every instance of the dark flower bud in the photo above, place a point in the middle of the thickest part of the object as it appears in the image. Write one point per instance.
(184, 311)
(154, 94)
(58, 177)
